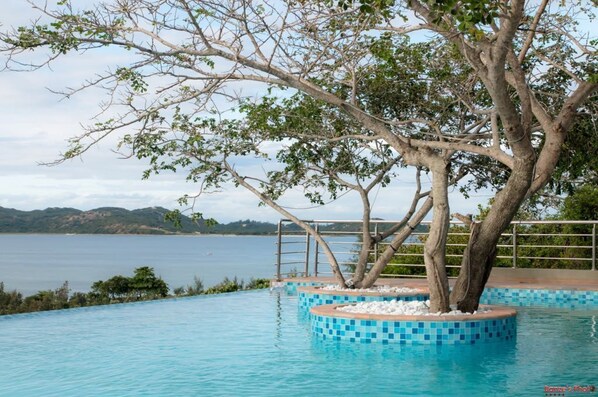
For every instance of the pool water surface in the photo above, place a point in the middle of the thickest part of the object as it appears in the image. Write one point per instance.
(259, 343)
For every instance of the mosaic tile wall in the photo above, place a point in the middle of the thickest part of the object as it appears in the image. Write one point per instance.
(308, 300)
(513, 296)
(291, 286)
(414, 332)
(540, 297)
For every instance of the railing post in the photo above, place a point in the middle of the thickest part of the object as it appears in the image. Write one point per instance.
(514, 246)
(594, 247)
(278, 250)
(306, 270)
(317, 249)
(376, 245)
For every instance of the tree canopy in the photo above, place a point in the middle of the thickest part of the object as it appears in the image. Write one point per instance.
(143, 285)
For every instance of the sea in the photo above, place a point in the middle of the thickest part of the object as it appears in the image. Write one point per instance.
(33, 262)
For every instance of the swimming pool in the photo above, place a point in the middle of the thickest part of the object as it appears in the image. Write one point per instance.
(258, 343)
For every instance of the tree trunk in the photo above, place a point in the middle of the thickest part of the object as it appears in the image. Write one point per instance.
(366, 241)
(435, 246)
(480, 253)
(394, 245)
(472, 279)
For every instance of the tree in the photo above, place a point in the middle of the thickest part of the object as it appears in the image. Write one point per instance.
(196, 288)
(10, 302)
(116, 287)
(582, 205)
(145, 284)
(493, 92)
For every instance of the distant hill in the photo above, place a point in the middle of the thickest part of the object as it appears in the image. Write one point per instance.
(108, 220)
(113, 220)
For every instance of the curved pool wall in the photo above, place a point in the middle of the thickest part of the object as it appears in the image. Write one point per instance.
(562, 298)
(291, 286)
(498, 325)
(522, 297)
(312, 296)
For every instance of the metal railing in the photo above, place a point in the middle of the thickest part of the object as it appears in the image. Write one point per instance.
(537, 244)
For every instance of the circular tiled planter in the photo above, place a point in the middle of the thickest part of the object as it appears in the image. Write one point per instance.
(316, 296)
(497, 325)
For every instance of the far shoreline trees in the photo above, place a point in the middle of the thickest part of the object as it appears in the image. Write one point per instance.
(474, 95)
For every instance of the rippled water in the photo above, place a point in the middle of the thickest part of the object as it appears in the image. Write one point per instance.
(259, 344)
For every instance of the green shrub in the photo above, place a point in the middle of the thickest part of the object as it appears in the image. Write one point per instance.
(196, 288)
(10, 302)
(225, 286)
(258, 283)
(179, 291)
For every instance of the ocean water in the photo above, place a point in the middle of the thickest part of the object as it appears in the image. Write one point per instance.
(258, 343)
(30, 263)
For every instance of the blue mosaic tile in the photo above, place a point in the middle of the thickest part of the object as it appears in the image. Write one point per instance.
(291, 286)
(307, 300)
(491, 296)
(456, 332)
(540, 297)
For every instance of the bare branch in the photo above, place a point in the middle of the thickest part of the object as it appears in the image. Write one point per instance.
(532, 30)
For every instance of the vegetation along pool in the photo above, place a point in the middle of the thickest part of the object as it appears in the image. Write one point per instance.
(259, 344)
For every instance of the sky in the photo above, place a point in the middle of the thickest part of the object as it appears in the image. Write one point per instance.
(35, 125)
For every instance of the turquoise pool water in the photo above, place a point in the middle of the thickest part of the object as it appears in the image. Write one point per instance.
(259, 344)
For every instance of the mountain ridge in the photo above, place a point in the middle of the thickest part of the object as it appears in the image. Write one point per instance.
(116, 220)
(149, 220)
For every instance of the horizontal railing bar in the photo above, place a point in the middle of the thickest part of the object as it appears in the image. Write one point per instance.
(339, 232)
(382, 221)
(405, 244)
(343, 252)
(550, 258)
(406, 264)
(554, 246)
(421, 255)
(553, 235)
(422, 244)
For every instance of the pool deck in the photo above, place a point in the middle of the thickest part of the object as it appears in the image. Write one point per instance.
(552, 279)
